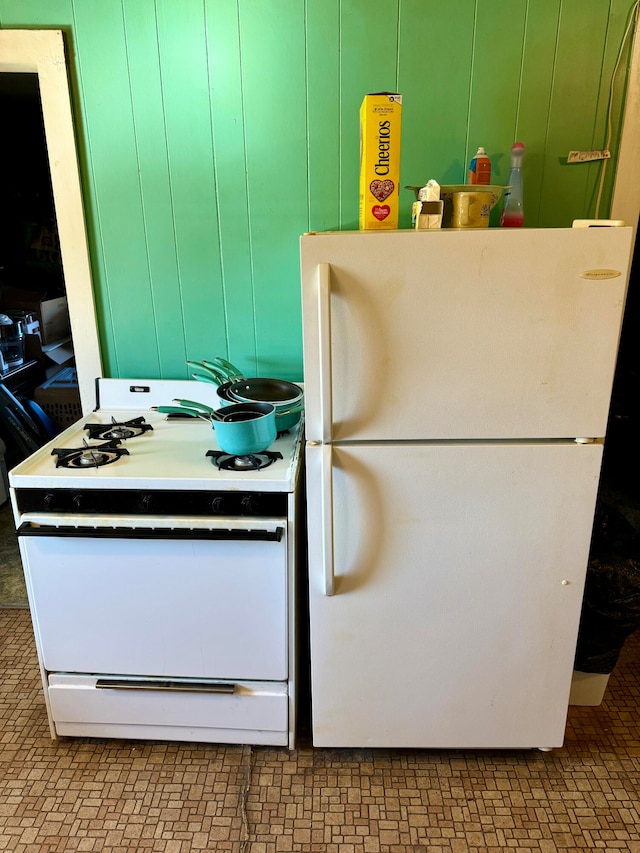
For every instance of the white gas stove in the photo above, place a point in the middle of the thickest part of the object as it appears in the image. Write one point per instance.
(161, 573)
(170, 451)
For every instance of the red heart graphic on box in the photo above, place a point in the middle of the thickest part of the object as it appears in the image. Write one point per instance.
(381, 189)
(381, 211)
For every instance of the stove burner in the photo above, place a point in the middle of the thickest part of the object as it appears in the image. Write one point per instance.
(89, 456)
(115, 430)
(252, 462)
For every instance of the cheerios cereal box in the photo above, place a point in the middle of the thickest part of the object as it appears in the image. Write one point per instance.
(380, 129)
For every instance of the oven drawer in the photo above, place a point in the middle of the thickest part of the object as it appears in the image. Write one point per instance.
(127, 707)
(163, 607)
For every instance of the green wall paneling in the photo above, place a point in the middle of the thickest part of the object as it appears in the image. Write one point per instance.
(31, 14)
(212, 133)
(323, 114)
(619, 18)
(166, 316)
(187, 111)
(538, 59)
(107, 333)
(273, 59)
(434, 71)
(495, 84)
(101, 49)
(225, 69)
(581, 39)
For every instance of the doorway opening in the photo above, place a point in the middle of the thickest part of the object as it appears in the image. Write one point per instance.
(45, 246)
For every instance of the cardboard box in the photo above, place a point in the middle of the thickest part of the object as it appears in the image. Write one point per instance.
(59, 397)
(53, 314)
(426, 215)
(51, 356)
(380, 134)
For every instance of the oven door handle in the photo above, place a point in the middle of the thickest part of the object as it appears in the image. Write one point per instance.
(166, 685)
(230, 534)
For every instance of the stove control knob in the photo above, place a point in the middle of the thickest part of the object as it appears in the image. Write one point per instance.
(217, 505)
(48, 500)
(147, 503)
(249, 505)
(78, 500)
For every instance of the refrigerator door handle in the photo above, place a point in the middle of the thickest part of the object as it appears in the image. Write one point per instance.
(327, 518)
(324, 349)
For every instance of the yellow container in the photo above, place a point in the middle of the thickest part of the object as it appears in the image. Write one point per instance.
(380, 133)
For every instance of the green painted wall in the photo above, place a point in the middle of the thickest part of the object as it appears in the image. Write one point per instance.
(212, 133)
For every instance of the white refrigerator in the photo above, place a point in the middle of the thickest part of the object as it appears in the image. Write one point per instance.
(457, 387)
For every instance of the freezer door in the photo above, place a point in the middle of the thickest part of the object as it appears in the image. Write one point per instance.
(505, 333)
(458, 579)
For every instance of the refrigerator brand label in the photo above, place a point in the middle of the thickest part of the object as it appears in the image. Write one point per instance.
(596, 275)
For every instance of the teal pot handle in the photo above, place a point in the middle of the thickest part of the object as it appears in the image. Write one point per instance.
(230, 371)
(206, 377)
(288, 418)
(191, 404)
(180, 410)
(292, 411)
(205, 370)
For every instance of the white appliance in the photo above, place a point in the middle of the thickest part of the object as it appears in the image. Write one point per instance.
(161, 586)
(457, 386)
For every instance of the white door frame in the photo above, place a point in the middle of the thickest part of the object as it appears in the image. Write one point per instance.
(625, 201)
(42, 52)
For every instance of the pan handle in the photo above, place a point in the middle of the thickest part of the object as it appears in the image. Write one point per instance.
(324, 348)
(299, 407)
(207, 372)
(191, 404)
(180, 410)
(207, 377)
(228, 370)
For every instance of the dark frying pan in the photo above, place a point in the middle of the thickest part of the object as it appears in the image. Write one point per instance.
(275, 391)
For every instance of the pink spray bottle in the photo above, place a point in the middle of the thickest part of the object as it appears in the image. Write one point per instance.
(513, 210)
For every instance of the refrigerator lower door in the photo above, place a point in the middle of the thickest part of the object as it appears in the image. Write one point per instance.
(456, 575)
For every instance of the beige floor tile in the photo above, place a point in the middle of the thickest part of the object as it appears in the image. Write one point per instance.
(106, 795)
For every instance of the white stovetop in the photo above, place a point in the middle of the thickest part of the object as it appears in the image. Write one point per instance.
(172, 456)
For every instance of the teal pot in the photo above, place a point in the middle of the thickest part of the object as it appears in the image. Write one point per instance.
(223, 393)
(245, 428)
(288, 412)
(287, 415)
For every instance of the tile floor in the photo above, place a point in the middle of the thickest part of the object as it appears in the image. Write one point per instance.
(13, 592)
(93, 795)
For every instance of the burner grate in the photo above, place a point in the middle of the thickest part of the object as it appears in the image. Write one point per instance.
(89, 456)
(252, 462)
(118, 430)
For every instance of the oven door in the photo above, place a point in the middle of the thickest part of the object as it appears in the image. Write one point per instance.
(193, 603)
